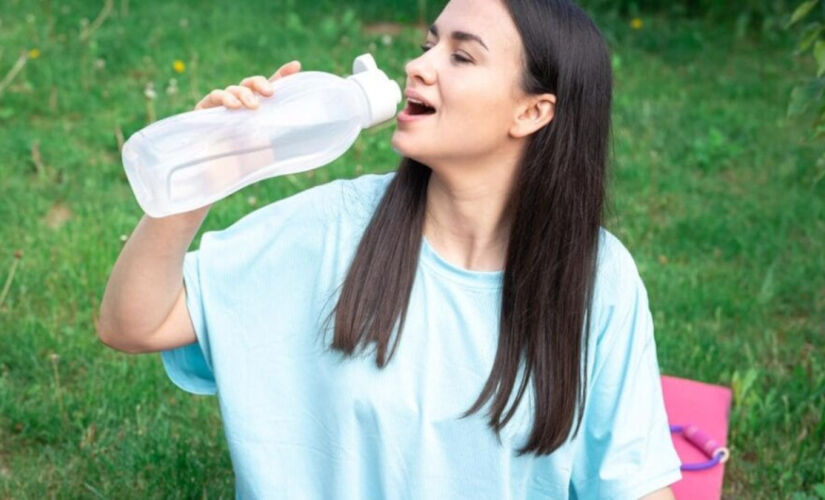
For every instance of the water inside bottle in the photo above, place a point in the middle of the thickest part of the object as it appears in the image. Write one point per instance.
(230, 165)
(207, 177)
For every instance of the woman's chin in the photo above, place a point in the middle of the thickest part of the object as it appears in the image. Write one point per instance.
(398, 143)
(401, 144)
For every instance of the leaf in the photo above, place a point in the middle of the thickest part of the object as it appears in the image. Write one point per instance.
(801, 12)
(820, 120)
(741, 384)
(800, 495)
(808, 36)
(350, 18)
(768, 288)
(804, 94)
(294, 24)
(818, 177)
(743, 20)
(819, 55)
(328, 27)
(819, 128)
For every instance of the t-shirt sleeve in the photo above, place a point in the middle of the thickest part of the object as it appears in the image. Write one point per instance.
(190, 366)
(626, 450)
(224, 277)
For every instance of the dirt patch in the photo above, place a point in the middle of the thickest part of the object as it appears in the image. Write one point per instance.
(389, 28)
(58, 215)
(383, 29)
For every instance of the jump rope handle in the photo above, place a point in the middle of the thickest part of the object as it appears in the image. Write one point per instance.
(701, 440)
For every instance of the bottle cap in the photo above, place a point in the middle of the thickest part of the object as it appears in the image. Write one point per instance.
(382, 93)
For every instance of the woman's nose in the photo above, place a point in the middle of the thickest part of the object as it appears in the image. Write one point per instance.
(420, 68)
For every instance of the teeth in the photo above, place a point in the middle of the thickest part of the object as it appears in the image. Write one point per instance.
(416, 101)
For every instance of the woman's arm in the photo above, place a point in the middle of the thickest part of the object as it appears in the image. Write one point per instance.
(146, 285)
(663, 494)
(144, 307)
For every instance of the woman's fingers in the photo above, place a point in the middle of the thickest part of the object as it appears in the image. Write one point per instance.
(258, 84)
(237, 96)
(226, 98)
(219, 97)
(285, 70)
(243, 94)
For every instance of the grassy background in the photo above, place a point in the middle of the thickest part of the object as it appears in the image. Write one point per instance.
(715, 193)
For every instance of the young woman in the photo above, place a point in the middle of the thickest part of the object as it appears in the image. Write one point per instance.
(462, 327)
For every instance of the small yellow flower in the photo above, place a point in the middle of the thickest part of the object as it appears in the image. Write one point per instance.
(636, 24)
(178, 66)
(34, 54)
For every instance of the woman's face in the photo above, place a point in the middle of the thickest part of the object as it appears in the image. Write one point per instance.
(472, 85)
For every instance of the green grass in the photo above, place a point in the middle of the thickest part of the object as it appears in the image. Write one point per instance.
(715, 193)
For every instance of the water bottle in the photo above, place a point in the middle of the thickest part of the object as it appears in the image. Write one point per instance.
(192, 159)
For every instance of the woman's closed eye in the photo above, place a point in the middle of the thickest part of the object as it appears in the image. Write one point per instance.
(460, 59)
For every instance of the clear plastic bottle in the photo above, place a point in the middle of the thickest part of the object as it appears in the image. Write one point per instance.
(192, 159)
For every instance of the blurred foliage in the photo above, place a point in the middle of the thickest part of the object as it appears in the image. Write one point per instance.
(762, 18)
(809, 18)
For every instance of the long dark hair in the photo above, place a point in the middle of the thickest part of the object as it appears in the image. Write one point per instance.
(557, 207)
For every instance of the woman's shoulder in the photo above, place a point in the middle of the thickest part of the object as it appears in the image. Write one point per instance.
(372, 182)
(617, 274)
(315, 204)
(619, 295)
(364, 188)
(359, 196)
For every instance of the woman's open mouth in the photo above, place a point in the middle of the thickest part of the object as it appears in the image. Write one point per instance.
(415, 111)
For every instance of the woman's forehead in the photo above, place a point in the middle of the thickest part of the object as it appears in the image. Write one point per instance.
(489, 20)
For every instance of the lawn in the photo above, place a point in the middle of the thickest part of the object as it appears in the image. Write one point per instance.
(717, 195)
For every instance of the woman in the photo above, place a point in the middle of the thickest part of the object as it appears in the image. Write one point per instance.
(485, 248)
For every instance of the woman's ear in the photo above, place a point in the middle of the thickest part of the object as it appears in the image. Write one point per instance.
(537, 112)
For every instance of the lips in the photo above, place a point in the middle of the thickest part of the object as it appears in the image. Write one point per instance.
(408, 115)
(412, 95)
(415, 108)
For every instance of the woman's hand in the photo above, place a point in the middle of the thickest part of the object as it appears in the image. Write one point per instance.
(237, 96)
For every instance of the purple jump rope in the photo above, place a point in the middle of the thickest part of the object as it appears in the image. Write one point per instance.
(705, 444)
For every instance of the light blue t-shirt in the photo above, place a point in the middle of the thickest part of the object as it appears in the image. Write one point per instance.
(306, 422)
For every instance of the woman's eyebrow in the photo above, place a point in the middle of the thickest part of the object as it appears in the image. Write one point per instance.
(460, 35)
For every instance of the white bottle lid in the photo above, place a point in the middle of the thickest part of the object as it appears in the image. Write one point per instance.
(383, 94)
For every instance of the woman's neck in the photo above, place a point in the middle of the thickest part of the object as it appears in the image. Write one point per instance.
(464, 221)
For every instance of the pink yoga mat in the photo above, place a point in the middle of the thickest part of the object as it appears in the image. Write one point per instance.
(706, 406)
